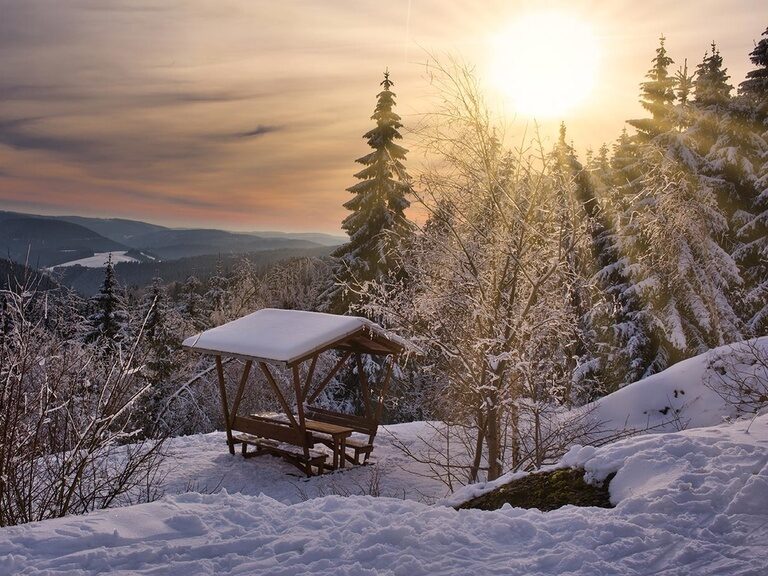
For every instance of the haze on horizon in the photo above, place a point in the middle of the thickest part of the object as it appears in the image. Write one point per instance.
(247, 115)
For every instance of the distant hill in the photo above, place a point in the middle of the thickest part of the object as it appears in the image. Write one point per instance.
(158, 241)
(87, 281)
(171, 244)
(117, 229)
(42, 242)
(316, 237)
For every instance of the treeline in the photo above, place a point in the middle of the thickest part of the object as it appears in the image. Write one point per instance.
(91, 388)
(140, 274)
(540, 280)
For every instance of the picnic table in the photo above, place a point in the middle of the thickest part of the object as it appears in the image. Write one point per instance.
(320, 431)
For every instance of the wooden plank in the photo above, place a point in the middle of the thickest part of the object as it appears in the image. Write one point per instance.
(327, 428)
(245, 357)
(330, 346)
(224, 404)
(241, 387)
(356, 423)
(328, 378)
(273, 430)
(280, 397)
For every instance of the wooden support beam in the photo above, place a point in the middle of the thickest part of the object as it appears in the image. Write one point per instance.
(280, 397)
(224, 404)
(300, 413)
(364, 386)
(328, 378)
(392, 360)
(310, 375)
(241, 389)
(299, 397)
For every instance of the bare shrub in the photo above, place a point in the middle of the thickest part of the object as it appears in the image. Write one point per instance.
(67, 445)
(739, 375)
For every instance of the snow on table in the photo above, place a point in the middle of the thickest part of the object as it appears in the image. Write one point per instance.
(693, 502)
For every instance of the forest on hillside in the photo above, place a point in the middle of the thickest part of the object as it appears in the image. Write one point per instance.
(539, 281)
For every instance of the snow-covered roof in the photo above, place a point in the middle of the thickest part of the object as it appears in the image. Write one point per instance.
(287, 336)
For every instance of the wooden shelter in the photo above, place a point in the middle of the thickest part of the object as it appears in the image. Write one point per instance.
(286, 339)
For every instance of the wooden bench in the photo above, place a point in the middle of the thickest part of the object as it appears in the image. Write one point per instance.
(278, 439)
(356, 423)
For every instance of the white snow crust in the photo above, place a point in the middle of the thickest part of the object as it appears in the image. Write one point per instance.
(281, 335)
(686, 502)
(692, 502)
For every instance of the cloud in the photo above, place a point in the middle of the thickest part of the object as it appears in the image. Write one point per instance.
(19, 133)
(260, 130)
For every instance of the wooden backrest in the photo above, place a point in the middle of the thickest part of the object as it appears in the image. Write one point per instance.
(356, 423)
(275, 430)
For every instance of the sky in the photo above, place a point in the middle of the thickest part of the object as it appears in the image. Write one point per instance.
(249, 114)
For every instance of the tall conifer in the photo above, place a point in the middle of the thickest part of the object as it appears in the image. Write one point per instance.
(377, 218)
(110, 318)
(657, 96)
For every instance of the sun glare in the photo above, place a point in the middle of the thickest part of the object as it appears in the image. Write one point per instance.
(545, 64)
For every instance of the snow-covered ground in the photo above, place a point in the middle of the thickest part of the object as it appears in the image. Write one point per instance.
(687, 502)
(202, 463)
(99, 260)
(692, 502)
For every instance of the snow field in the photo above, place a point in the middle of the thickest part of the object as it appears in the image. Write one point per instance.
(686, 502)
(689, 502)
(99, 260)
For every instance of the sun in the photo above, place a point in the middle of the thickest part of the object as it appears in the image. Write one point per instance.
(545, 64)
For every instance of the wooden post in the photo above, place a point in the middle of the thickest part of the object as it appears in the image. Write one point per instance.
(300, 413)
(241, 389)
(224, 404)
(364, 386)
(385, 387)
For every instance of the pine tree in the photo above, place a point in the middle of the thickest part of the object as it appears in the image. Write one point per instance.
(377, 220)
(110, 319)
(657, 97)
(684, 84)
(716, 138)
(216, 295)
(192, 305)
(755, 88)
(711, 82)
(160, 345)
(613, 339)
(752, 255)
(680, 274)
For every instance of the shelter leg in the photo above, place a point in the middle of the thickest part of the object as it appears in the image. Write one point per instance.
(364, 386)
(224, 404)
(240, 390)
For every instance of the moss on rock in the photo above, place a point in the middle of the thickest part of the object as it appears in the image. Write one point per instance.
(546, 491)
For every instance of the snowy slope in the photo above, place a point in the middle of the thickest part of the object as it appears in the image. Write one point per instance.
(692, 502)
(676, 398)
(99, 260)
